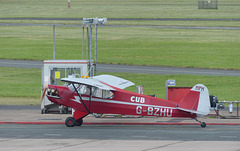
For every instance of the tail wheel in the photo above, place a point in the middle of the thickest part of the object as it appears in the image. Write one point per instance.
(79, 122)
(203, 124)
(70, 122)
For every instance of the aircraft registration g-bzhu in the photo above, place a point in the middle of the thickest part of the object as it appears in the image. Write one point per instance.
(105, 94)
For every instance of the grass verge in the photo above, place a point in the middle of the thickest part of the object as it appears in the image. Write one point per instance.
(20, 101)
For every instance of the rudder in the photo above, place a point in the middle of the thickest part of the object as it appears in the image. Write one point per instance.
(196, 101)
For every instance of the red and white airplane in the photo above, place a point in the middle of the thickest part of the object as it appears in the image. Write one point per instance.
(105, 94)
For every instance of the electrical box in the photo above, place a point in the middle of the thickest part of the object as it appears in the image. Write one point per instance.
(53, 71)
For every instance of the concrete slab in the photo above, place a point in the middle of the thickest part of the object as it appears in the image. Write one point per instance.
(116, 145)
(33, 115)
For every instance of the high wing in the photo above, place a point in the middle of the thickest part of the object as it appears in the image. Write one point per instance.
(114, 81)
(98, 81)
(88, 81)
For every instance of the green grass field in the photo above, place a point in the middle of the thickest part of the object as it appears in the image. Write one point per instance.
(203, 48)
(142, 46)
(117, 9)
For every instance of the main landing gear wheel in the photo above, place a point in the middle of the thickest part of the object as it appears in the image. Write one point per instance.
(79, 122)
(70, 122)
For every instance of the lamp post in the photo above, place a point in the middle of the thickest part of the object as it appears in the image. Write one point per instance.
(89, 23)
(53, 42)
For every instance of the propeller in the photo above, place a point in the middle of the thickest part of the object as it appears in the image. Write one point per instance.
(44, 90)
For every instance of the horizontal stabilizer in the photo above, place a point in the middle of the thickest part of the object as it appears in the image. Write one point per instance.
(192, 111)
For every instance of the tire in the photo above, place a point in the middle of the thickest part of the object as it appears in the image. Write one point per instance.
(79, 122)
(203, 124)
(70, 122)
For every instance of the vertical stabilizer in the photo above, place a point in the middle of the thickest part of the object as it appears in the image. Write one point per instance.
(204, 102)
(196, 101)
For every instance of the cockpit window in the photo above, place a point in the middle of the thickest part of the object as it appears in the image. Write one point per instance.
(106, 94)
(96, 92)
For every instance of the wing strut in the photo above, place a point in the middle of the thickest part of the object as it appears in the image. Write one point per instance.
(88, 109)
(90, 98)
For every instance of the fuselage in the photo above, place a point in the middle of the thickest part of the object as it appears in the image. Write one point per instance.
(116, 102)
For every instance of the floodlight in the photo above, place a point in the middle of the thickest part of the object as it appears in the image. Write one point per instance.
(94, 21)
(101, 20)
(87, 21)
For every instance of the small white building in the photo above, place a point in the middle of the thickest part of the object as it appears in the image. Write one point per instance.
(53, 71)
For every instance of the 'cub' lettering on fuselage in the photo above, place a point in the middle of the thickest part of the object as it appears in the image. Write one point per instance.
(137, 99)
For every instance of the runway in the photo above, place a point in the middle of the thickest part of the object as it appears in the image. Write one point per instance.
(129, 68)
(132, 19)
(121, 137)
(127, 19)
(123, 132)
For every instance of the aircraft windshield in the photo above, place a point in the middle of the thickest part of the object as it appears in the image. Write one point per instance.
(96, 92)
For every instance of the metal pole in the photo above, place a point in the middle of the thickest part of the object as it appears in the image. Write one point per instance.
(53, 42)
(87, 42)
(83, 44)
(237, 111)
(166, 90)
(95, 69)
(90, 50)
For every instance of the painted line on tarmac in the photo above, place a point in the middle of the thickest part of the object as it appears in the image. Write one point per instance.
(34, 123)
(115, 123)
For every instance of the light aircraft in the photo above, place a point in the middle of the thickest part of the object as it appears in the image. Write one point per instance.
(105, 94)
